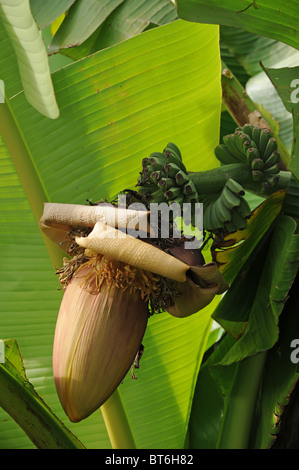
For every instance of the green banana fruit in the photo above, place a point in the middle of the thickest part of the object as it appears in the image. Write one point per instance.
(224, 155)
(229, 142)
(145, 162)
(244, 209)
(270, 147)
(239, 221)
(257, 164)
(146, 189)
(230, 199)
(273, 159)
(272, 170)
(175, 149)
(272, 180)
(207, 222)
(224, 214)
(172, 169)
(181, 178)
(230, 227)
(242, 142)
(158, 196)
(251, 154)
(156, 175)
(147, 171)
(247, 129)
(173, 192)
(216, 225)
(235, 187)
(191, 198)
(256, 133)
(264, 137)
(157, 160)
(171, 157)
(166, 182)
(189, 188)
(178, 200)
(257, 175)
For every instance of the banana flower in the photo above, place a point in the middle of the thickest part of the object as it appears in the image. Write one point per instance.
(109, 283)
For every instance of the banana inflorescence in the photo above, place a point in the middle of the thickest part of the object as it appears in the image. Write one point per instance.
(164, 178)
(253, 146)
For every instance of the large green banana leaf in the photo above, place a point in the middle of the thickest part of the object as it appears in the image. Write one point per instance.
(31, 55)
(116, 107)
(276, 19)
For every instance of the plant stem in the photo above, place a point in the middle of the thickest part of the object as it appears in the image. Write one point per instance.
(27, 171)
(213, 181)
(243, 110)
(237, 421)
(117, 424)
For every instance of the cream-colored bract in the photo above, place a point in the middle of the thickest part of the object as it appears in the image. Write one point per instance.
(120, 246)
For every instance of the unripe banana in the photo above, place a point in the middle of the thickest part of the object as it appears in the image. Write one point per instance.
(146, 189)
(229, 141)
(219, 216)
(191, 198)
(207, 223)
(264, 138)
(224, 155)
(256, 133)
(173, 192)
(147, 171)
(181, 178)
(239, 221)
(172, 169)
(242, 142)
(172, 157)
(166, 182)
(272, 170)
(270, 147)
(251, 154)
(215, 222)
(178, 200)
(235, 187)
(175, 149)
(273, 159)
(230, 199)
(247, 129)
(225, 215)
(157, 160)
(257, 175)
(155, 176)
(158, 196)
(230, 227)
(257, 164)
(244, 209)
(189, 188)
(145, 162)
(272, 180)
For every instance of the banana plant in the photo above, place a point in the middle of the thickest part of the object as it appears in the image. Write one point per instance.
(61, 174)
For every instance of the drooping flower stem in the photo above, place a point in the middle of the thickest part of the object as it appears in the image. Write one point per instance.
(238, 415)
(117, 424)
(213, 181)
